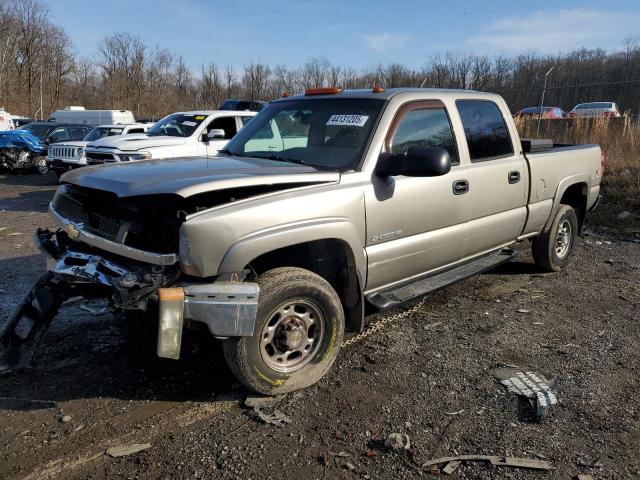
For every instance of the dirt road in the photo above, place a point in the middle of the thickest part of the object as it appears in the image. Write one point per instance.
(427, 376)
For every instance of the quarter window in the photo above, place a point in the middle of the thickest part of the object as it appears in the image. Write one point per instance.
(425, 127)
(485, 129)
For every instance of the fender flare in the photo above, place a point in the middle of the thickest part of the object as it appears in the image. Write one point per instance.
(564, 184)
(246, 249)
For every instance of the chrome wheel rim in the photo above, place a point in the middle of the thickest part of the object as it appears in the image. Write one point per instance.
(563, 239)
(43, 169)
(292, 335)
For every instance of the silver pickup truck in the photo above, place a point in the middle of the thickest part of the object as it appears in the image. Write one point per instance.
(324, 205)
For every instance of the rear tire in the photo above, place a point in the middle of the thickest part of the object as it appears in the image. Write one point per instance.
(552, 250)
(297, 337)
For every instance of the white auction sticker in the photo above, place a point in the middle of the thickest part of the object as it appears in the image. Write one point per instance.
(351, 120)
(189, 124)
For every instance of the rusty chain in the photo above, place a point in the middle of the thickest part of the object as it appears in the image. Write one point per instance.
(380, 324)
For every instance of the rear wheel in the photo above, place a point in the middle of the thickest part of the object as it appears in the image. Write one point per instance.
(298, 333)
(552, 250)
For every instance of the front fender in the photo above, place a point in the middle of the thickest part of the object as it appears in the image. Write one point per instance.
(242, 252)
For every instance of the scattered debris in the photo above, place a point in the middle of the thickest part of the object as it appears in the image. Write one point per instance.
(589, 462)
(261, 401)
(609, 261)
(522, 310)
(513, 462)
(454, 413)
(14, 234)
(623, 215)
(276, 417)
(350, 466)
(538, 323)
(124, 450)
(584, 477)
(2, 229)
(398, 441)
(66, 419)
(450, 467)
(531, 386)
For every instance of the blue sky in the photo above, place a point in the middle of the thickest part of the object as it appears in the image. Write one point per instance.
(348, 32)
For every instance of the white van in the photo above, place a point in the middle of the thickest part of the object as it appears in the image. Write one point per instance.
(6, 123)
(92, 117)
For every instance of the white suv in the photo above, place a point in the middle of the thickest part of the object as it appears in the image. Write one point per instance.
(181, 134)
(67, 155)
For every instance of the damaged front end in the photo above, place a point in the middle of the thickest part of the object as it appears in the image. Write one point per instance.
(74, 271)
(227, 305)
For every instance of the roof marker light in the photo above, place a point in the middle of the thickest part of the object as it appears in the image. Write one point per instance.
(323, 91)
(377, 89)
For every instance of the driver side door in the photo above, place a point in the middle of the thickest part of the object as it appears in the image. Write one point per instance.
(416, 224)
(230, 127)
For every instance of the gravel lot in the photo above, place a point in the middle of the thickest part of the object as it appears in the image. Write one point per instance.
(427, 376)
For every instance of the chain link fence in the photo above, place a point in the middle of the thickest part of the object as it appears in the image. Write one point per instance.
(626, 94)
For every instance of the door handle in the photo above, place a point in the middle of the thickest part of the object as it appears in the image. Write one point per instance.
(460, 187)
(514, 177)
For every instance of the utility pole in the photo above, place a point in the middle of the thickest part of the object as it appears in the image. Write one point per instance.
(544, 89)
(41, 92)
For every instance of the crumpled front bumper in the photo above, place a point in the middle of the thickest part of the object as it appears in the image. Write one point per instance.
(227, 306)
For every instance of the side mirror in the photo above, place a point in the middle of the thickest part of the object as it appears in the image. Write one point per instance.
(53, 139)
(216, 134)
(417, 162)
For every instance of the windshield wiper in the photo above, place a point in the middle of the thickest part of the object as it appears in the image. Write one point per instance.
(226, 151)
(278, 158)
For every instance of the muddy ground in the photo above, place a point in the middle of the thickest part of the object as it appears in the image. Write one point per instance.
(427, 376)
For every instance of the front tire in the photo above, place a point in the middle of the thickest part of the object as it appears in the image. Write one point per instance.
(297, 336)
(552, 250)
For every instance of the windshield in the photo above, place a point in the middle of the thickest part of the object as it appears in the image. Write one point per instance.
(328, 134)
(100, 132)
(40, 131)
(176, 125)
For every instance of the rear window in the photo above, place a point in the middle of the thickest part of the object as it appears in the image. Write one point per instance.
(485, 129)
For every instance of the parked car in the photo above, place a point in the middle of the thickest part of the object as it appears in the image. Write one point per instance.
(26, 148)
(65, 156)
(236, 104)
(181, 134)
(276, 249)
(547, 112)
(92, 117)
(19, 121)
(6, 122)
(594, 109)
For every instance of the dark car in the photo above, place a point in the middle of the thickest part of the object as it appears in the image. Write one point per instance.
(547, 112)
(235, 104)
(53, 132)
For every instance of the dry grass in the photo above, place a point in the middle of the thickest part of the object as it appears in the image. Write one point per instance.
(620, 140)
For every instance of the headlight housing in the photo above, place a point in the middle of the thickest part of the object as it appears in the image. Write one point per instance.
(79, 152)
(130, 157)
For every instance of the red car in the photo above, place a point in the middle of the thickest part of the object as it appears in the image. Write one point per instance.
(547, 112)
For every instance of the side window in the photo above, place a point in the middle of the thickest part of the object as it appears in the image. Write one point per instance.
(61, 134)
(486, 131)
(136, 130)
(78, 133)
(228, 124)
(245, 120)
(425, 127)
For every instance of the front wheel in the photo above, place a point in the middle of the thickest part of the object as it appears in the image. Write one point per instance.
(552, 250)
(42, 166)
(297, 336)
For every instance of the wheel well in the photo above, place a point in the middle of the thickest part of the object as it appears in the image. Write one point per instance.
(333, 260)
(576, 196)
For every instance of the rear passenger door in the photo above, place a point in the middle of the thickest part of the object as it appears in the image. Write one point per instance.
(498, 177)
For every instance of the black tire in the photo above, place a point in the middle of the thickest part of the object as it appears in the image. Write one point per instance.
(252, 359)
(546, 249)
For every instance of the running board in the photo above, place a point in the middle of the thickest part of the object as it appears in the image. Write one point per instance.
(396, 296)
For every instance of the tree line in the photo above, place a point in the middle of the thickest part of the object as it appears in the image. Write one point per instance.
(37, 60)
